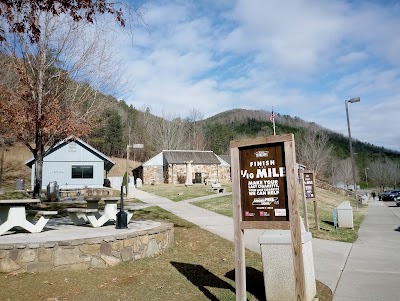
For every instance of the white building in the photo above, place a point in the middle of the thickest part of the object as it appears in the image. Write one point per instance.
(73, 164)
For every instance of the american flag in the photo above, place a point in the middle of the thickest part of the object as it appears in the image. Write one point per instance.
(272, 117)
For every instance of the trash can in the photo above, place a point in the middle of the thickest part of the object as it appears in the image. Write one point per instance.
(20, 184)
(52, 191)
(139, 183)
(364, 199)
(345, 215)
(277, 259)
(106, 183)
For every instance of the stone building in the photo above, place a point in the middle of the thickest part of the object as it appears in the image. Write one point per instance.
(168, 165)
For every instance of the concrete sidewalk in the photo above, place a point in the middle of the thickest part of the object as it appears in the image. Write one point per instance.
(372, 271)
(329, 256)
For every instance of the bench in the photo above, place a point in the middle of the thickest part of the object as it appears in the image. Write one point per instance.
(33, 212)
(217, 188)
(43, 215)
(79, 215)
(209, 181)
(132, 208)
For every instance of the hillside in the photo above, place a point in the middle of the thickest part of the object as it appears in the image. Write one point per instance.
(253, 123)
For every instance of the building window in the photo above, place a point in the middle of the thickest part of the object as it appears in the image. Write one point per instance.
(82, 171)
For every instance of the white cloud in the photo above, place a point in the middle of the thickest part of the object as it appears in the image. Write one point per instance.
(304, 58)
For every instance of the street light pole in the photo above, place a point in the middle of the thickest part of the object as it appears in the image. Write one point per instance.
(127, 164)
(352, 100)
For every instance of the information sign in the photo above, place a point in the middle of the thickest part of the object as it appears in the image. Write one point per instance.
(264, 197)
(335, 217)
(263, 183)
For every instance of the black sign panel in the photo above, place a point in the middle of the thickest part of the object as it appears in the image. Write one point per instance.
(263, 183)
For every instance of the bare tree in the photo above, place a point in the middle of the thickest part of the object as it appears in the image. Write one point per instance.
(394, 172)
(22, 16)
(196, 133)
(313, 149)
(169, 132)
(384, 173)
(50, 97)
(343, 172)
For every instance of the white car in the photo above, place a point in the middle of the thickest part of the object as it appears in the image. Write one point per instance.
(397, 200)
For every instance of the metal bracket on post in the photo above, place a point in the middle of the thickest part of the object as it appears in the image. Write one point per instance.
(122, 216)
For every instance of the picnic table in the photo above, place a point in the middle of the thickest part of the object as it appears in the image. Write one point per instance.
(13, 213)
(92, 215)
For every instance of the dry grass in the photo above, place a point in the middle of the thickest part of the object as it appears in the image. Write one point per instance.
(14, 165)
(180, 192)
(326, 201)
(119, 168)
(199, 266)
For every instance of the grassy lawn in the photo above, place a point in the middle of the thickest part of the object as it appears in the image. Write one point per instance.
(221, 205)
(179, 192)
(327, 200)
(200, 266)
(13, 195)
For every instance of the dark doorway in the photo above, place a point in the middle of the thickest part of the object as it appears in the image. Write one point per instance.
(197, 177)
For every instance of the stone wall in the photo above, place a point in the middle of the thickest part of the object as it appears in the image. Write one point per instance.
(151, 174)
(89, 253)
(88, 192)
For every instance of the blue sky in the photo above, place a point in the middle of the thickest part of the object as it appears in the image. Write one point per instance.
(304, 58)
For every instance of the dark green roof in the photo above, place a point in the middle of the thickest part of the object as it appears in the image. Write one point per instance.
(198, 157)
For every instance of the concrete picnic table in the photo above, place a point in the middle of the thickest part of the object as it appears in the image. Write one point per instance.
(14, 214)
(92, 215)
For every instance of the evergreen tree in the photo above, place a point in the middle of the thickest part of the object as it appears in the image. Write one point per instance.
(113, 136)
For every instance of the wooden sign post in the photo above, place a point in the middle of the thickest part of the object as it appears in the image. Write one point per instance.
(310, 193)
(264, 175)
(303, 190)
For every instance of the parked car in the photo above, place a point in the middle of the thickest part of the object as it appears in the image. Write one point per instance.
(390, 195)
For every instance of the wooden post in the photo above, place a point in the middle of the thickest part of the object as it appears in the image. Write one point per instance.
(303, 194)
(240, 258)
(316, 214)
(295, 226)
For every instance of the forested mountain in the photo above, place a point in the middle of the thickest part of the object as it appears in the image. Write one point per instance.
(319, 148)
(121, 123)
(252, 123)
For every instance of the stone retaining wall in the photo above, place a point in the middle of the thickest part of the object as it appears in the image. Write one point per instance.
(85, 253)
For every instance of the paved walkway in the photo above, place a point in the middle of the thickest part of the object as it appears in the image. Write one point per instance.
(372, 271)
(329, 256)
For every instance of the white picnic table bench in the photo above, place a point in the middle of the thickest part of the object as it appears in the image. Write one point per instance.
(217, 188)
(14, 214)
(96, 218)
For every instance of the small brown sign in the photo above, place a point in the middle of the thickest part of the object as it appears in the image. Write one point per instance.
(309, 185)
(263, 183)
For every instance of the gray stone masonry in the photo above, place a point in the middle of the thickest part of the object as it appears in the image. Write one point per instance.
(88, 253)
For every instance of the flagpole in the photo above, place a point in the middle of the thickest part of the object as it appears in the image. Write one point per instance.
(272, 118)
(273, 123)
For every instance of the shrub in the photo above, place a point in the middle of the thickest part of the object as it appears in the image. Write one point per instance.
(181, 179)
